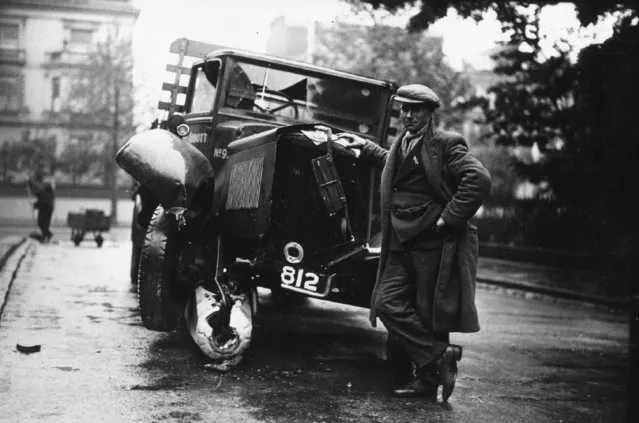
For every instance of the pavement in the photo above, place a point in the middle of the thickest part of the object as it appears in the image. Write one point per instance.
(589, 286)
(514, 277)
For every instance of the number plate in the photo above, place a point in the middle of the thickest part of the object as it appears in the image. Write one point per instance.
(302, 281)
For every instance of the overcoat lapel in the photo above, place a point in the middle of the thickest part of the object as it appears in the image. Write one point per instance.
(432, 159)
(386, 183)
(386, 186)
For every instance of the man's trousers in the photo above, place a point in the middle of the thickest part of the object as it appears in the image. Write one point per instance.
(44, 221)
(405, 303)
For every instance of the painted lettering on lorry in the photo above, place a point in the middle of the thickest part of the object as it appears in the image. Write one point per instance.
(220, 153)
(196, 138)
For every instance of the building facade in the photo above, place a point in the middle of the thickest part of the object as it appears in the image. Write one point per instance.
(42, 45)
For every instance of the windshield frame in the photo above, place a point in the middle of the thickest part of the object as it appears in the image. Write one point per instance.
(201, 69)
(383, 89)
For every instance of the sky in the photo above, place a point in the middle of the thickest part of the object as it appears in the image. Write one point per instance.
(245, 24)
(241, 24)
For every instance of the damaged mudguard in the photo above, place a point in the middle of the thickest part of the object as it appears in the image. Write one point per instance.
(171, 168)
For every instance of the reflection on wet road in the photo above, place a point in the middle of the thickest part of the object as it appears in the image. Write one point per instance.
(533, 361)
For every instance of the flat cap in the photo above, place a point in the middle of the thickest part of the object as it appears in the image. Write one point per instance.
(417, 93)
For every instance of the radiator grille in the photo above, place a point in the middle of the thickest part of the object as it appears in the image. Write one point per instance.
(244, 186)
(298, 213)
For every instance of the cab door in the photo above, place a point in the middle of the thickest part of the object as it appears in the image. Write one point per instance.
(201, 109)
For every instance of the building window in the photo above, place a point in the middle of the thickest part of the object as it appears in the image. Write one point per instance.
(9, 93)
(55, 94)
(9, 35)
(80, 36)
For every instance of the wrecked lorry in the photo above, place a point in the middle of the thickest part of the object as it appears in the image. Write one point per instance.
(246, 185)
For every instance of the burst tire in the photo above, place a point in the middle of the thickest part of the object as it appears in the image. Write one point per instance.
(157, 271)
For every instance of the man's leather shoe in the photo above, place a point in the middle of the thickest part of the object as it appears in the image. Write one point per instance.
(417, 388)
(447, 369)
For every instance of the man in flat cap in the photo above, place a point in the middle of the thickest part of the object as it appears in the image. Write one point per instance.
(431, 187)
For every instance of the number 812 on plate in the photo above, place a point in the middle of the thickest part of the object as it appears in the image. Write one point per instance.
(302, 281)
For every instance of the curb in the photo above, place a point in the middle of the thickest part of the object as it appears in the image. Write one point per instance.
(7, 246)
(553, 292)
(9, 265)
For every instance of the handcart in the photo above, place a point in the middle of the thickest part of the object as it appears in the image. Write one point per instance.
(90, 220)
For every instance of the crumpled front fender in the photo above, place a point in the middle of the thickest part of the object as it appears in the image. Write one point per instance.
(172, 169)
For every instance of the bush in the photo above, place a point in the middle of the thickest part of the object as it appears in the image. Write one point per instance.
(544, 224)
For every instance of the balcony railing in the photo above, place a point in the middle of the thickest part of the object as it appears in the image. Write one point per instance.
(14, 56)
(65, 58)
(75, 119)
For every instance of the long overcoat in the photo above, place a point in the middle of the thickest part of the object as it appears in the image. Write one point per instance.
(460, 180)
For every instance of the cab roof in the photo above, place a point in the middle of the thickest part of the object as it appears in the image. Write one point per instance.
(294, 64)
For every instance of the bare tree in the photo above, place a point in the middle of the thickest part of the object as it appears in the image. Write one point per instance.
(101, 98)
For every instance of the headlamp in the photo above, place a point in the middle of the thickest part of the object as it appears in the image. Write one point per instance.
(183, 130)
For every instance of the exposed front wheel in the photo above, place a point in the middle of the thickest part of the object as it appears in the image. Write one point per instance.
(157, 272)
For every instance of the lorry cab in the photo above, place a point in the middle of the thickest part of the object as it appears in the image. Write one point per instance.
(232, 94)
(245, 86)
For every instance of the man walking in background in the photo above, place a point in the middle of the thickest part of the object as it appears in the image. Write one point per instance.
(431, 187)
(45, 199)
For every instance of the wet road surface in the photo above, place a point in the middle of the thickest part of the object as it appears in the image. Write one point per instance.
(533, 361)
